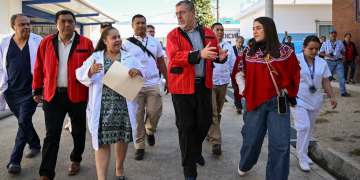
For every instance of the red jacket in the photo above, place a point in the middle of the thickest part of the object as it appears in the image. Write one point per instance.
(181, 71)
(259, 86)
(46, 67)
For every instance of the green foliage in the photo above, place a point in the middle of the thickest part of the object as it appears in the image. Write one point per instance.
(203, 15)
(321, 120)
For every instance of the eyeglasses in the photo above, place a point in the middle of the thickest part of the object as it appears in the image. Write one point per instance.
(63, 21)
(180, 13)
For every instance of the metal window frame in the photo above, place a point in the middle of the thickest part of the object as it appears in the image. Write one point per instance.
(318, 23)
(357, 11)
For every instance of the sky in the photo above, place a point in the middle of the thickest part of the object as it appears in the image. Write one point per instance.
(156, 11)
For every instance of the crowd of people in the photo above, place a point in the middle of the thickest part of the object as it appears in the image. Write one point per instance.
(64, 72)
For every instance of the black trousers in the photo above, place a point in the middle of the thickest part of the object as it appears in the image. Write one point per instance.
(237, 102)
(193, 119)
(55, 112)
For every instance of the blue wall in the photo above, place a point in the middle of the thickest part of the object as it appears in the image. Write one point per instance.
(297, 39)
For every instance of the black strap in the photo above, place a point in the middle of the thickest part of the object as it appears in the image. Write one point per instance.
(138, 43)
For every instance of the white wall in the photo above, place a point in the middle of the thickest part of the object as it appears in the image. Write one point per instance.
(300, 18)
(7, 9)
(292, 18)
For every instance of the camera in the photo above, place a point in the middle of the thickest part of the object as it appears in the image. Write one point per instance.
(312, 88)
(332, 54)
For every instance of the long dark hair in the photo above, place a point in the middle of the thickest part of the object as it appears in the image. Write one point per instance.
(271, 38)
(101, 45)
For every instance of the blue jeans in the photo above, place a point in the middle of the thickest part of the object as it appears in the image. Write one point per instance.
(339, 68)
(26, 134)
(256, 122)
(352, 65)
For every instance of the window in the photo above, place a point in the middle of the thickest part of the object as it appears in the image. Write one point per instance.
(323, 28)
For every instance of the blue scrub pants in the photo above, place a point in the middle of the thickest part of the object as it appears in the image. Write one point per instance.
(26, 134)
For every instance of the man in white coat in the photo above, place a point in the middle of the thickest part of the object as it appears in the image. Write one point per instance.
(221, 79)
(18, 53)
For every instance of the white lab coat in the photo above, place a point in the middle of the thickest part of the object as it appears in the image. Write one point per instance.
(95, 91)
(34, 41)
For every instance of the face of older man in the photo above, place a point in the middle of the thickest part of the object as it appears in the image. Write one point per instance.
(22, 27)
(65, 25)
(186, 18)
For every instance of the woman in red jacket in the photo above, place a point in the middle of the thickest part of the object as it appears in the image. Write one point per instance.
(271, 72)
(350, 55)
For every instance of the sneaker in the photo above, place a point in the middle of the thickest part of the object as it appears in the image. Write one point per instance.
(31, 153)
(200, 160)
(150, 139)
(139, 154)
(304, 166)
(346, 94)
(310, 161)
(241, 173)
(14, 168)
(216, 149)
(68, 125)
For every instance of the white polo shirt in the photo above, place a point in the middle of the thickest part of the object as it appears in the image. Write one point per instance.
(222, 72)
(308, 100)
(154, 46)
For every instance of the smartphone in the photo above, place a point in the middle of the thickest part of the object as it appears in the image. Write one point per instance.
(285, 32)
(282, 105)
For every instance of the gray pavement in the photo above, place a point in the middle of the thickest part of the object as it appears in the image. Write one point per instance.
(161, 162)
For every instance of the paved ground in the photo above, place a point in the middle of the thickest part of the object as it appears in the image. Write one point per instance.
(162, 162)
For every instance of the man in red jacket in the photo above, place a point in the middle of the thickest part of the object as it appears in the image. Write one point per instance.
(58, 56)
(191, 50)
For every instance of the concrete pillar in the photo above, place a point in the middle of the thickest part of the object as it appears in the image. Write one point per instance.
(269, 8)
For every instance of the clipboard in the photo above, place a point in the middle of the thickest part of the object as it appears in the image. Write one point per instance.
(118, 79)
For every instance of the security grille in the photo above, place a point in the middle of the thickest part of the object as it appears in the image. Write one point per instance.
(43, 30)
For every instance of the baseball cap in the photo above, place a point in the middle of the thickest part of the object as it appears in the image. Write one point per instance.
(105, 24)
(333, 31)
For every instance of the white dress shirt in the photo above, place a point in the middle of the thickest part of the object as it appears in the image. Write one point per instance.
(222, 72)
(154, 46)
(64, 51)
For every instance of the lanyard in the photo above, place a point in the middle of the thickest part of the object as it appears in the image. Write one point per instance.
(333, 46)
(312, 73)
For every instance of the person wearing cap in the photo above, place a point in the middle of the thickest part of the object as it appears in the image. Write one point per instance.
(333, 51)
(103, 26)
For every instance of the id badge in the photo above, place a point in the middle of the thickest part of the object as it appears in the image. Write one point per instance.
(334, 53)
(281, 100)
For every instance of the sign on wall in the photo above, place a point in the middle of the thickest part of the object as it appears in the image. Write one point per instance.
(230, 36)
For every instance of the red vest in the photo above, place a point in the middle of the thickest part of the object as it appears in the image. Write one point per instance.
(181, 73)
(47, 62)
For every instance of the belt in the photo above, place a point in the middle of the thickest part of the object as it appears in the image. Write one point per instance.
(199, 80)
(61, 89)
(335, 59)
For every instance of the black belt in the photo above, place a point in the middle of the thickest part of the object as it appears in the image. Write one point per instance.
(61, 89)
(199, 80)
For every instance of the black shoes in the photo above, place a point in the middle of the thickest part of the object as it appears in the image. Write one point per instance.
(31, 153)
(216, 149)
(150, 139)
(14, 168)
(346, 94)
(139, 154)
(200, 160)
(239, 111)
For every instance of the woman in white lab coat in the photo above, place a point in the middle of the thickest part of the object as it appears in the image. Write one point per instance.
(314, 74)
(111, 118)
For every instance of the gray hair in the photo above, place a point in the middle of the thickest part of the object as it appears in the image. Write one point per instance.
(188, 5)
(240, 37)
(13, 18)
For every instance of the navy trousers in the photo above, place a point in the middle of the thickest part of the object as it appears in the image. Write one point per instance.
(26, 134)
